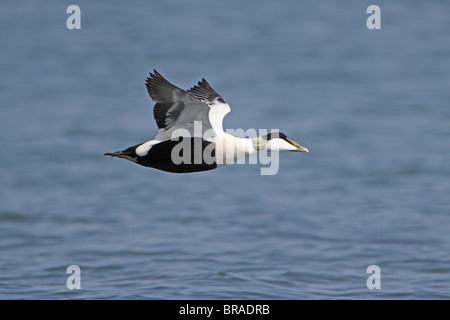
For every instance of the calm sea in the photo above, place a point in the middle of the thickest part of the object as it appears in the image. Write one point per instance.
(372, 106)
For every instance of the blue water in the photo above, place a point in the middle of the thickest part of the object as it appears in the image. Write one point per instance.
(372, 106)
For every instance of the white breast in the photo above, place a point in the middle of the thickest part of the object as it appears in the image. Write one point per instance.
(230, 148)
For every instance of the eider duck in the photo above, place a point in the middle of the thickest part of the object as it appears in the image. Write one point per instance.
(190, 134)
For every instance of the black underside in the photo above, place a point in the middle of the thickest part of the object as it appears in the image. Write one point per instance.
(160, 156)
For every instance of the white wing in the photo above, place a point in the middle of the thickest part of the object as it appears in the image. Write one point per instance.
(176, 108)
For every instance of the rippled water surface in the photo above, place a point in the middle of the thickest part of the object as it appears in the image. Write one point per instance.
(372, 106)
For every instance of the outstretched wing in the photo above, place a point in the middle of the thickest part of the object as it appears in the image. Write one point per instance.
(176, 108)
(204, 92)
(219, 108)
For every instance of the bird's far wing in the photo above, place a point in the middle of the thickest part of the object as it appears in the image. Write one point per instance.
(175, 108)
(219, 108)
(204, 92)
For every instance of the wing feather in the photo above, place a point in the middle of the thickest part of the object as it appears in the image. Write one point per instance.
(176, 108)
(204, 92)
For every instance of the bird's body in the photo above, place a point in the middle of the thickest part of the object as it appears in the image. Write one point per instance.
(190, 136)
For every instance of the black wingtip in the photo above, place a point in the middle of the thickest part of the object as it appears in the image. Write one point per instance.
(156, 74)
(155, 78)
(204, 83)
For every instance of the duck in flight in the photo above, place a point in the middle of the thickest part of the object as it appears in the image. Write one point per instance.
(190, 134)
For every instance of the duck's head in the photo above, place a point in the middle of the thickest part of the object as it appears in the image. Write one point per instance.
(277, 141)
